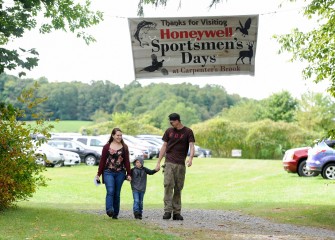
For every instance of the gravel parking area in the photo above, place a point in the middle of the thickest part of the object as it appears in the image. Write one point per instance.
(218, 224)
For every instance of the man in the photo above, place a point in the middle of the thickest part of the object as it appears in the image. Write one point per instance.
(178, 140)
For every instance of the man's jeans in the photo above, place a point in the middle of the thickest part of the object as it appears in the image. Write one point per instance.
(174, 178)
(113, 183)
(138, 201)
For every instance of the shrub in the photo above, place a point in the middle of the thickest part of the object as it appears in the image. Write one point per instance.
(20, 176)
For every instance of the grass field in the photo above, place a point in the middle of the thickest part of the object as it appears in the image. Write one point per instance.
(256, 187)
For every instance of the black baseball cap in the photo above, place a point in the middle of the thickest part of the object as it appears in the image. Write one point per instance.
(174, 116)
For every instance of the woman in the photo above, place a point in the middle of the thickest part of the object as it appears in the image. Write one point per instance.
(114, 164)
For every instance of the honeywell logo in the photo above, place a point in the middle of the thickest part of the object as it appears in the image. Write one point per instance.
(196, 34)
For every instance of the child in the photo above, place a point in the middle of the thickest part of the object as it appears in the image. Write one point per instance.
(138, 185)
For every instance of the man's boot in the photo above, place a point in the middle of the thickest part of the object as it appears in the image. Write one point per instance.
(177, 216)
(167, 215)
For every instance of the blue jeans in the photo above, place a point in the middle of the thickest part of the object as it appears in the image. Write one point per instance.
(138, 201)
(113, 183)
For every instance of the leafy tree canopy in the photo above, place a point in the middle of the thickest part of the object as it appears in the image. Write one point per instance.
(19, 16)
(316, 112)
(279, 107)
(316, 47)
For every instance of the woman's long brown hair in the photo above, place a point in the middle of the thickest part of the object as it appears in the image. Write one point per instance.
(111, 137)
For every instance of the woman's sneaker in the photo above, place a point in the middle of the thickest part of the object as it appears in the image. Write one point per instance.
(137, 215)
(110, 213)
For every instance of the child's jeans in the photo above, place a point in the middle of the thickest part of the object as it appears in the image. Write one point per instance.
(138, 201)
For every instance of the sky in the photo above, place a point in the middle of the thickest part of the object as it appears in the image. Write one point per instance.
(65, 58)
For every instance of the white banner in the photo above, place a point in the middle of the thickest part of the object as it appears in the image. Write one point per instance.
(195, 46)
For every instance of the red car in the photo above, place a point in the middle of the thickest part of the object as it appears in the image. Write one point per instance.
(294, 161)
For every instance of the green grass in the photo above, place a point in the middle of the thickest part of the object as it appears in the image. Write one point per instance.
(67, 126)
(256, 187)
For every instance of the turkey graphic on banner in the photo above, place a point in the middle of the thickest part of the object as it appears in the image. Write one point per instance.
(195, 46)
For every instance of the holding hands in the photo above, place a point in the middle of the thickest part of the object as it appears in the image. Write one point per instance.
(158, 167)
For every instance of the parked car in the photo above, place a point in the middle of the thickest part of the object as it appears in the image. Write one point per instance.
(206, 153)
(197, 151)
(156, 144)
(158, 139)
(294, 161)
(153, 141)
(321, 159)
(150, 136)
(96, 143)
(93, 142)
(49, 156)
(133, 152)
(70, 158)
(87, 155)
(148, 149)
(64, 135)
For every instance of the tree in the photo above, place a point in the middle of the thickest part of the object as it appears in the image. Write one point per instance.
(20, 176)
(316, 47)
(279, 107)
(100, 116)
(159, 114)
(18, 16)
(268, 139)
(244, 111)
(127, 122)
(316, 112)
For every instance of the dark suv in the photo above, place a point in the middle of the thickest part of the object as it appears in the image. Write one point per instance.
(88, 156)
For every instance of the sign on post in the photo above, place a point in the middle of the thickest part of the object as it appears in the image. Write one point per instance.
(236, 153)
(195, 46)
